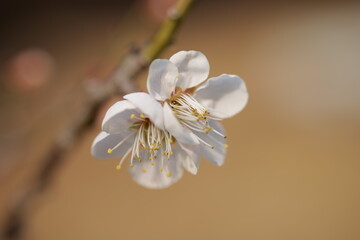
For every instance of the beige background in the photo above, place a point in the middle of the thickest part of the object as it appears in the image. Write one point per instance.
(292, 170)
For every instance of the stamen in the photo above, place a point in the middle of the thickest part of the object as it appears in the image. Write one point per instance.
(118, 167)
(205, 143)
(133, 116)
(218, 133)
(110, 150)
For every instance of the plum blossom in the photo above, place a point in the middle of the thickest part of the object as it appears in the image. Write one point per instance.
(170, 128)
(193, 105)
(134, 127)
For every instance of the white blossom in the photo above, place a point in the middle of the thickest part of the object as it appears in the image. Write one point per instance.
(169, 130)
(192, 104)
(135, 128)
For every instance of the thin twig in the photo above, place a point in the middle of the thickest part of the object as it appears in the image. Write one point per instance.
(120, 82)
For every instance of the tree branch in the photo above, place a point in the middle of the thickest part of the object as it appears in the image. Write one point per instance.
(120, 82)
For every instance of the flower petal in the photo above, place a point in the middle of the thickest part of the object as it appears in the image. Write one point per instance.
(161, 81)
(150, 176)
(193, 68)
(224, 96)
(117, 118)
(104, 141)
(174, 127)
(149, 106)
(216, 155)
(190, 157)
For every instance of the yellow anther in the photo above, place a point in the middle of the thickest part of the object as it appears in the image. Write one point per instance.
(171, 141)
(155, 156)
(131, 164)
(144, 170)
(132, 116)
(142, 116)
(226, 146)
(118, 167)
(163, 153)
(212, 147)
(152, 163)
(169, 174)
(208, 130)
(150, 158)
(168, 158)
(171, 153)
(109, 151)
(161, 169)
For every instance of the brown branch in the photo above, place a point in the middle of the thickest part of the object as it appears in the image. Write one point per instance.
(120, 82)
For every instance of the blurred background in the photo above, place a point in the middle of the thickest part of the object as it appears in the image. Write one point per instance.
(292, 170)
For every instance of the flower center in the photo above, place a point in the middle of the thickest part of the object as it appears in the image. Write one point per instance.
(149, 142)
(193, 115)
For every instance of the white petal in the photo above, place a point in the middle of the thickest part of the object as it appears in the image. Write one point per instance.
(224, 96)
(150, 176)
(174, 127)
(190, 157)
(149, 106)
(216, 155)
(104, 141)
(193, 68)
(161, 81)
(117, 118)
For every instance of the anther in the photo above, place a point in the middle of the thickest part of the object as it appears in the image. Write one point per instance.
(169, 174)
(152, 163)
(131, 164)
(118, 167)
(226, 146)
(161, 169)
(207, 130)
(142, 116)
(109, 151)
(132, 116)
